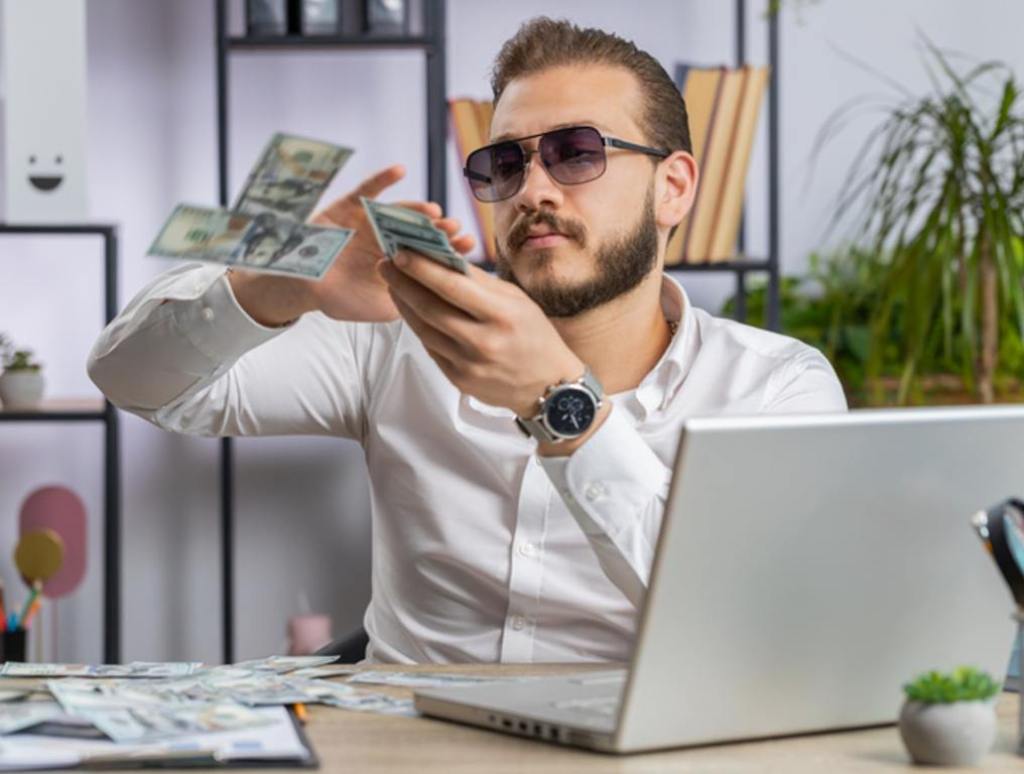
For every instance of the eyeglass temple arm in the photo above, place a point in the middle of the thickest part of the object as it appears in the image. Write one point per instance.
(613, 142)
(477, 176)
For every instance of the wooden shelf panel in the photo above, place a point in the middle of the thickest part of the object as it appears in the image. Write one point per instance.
(58, 409)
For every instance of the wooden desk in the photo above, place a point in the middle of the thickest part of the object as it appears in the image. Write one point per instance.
(367, 743)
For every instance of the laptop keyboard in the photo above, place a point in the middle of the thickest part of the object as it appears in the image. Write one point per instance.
(604, 706)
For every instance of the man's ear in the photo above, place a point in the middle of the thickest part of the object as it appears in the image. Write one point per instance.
(677, 188)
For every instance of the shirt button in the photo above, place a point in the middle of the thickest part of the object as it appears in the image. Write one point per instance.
(595, 491)
(528, 549)
(518, 622)
(567, 494)
(207, 314)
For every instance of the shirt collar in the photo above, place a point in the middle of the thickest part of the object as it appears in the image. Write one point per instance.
(657, 389)
(661, 384)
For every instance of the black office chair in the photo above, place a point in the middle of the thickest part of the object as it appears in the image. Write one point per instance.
(351, 648)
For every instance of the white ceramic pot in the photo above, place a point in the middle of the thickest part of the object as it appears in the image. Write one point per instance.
(21, 389)
(955, 734)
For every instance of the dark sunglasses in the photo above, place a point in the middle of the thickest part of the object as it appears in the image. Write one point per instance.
(573, 155)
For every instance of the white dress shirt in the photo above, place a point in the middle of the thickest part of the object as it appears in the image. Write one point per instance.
(482, 551)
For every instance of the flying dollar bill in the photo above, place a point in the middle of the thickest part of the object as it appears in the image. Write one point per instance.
(399, 227)
(290, 177)
(262, 242)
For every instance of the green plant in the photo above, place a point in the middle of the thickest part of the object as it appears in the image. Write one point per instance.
(962, 684)
(13, 359)
(831, 308)
(22, 360)
(940, 185)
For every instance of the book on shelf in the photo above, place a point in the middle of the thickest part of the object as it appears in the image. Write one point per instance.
(723, 106)
(471, 121)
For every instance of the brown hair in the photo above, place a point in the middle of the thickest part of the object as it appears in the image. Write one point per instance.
(542, 43)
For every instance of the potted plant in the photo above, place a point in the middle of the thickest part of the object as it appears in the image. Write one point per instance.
(939, 192)
(949, 719)
(21, 381)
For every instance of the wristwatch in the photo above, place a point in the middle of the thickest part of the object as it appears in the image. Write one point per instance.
(566, 410)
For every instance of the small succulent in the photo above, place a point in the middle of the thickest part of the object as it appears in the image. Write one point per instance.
(962, 684)
(21, 360)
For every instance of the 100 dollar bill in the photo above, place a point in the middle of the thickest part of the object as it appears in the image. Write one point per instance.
(399, 227)
(262, 242)
(290, 177)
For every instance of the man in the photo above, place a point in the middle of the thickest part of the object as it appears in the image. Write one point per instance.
(490, 543)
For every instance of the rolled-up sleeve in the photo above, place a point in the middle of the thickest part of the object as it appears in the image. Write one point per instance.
(185, 356)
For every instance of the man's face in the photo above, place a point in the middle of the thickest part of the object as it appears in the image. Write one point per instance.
(574, 247)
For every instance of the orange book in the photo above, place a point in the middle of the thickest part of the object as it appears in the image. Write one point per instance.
(697, 243)
(471, 121)
(485, 212)
(700, 93)
(726, 228)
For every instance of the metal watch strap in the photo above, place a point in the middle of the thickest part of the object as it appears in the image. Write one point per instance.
(536, 427)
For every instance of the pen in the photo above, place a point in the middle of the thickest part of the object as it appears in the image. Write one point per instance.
(301, 713)
(38, 603)
(36, 586)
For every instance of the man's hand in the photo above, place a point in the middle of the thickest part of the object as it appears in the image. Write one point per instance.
(352, 289)
(487, 336)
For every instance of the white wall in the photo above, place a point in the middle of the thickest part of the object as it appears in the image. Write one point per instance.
(302, 503)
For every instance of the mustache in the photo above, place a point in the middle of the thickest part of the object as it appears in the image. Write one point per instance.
(520, 230)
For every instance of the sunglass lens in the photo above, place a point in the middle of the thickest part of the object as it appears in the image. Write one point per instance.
(495, 172)
(574, 155)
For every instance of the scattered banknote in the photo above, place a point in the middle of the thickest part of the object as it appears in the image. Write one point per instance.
(413, 680)
(328, 670)
(18, 716)
(286, 663)
(261, 242)
(134, 717)
(136, 669)
(359, 701)
(399, 228)
(290, 177)
(144, 703)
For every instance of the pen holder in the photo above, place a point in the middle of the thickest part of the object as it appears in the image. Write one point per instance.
(12, 645)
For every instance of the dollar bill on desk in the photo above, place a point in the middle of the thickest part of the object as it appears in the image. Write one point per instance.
(136, 669)
(290, 177)
(261, 242)
(132, 716)
(286, 663)
(399, 228)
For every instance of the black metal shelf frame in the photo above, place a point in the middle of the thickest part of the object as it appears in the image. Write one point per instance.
(112, 440)
(432, 43)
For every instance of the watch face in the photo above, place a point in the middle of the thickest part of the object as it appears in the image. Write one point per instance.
(570, 411)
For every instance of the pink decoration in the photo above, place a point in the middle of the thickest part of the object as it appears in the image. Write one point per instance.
(59, 509)
(308, 633)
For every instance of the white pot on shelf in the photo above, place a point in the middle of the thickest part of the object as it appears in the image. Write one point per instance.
(954, 734)
(21, 389)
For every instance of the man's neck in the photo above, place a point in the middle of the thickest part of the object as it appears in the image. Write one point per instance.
(622, 340)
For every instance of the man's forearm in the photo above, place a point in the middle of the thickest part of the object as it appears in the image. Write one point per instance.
(271, 301)
(177, 333)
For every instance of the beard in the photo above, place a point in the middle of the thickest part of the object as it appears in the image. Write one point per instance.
(620, 264)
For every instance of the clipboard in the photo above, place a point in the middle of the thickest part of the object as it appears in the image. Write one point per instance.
(228, 749)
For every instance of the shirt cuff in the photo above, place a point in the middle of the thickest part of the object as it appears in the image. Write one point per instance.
(217, 325)
(612, 478)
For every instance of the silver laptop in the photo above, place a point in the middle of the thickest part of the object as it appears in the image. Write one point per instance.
(807, 567)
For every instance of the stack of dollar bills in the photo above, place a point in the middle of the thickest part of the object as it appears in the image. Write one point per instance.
(266, 229)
